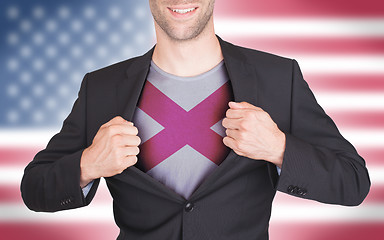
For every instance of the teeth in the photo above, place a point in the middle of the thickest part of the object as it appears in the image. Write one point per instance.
(182, 11)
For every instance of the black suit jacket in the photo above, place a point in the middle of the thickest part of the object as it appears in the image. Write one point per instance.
(234, 202)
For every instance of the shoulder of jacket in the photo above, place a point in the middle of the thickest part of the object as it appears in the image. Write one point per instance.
(258, 56)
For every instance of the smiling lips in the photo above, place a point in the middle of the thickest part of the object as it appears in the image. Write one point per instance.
(183, 11)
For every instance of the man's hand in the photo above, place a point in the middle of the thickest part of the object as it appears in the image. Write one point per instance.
(252, 133)
(113, 149)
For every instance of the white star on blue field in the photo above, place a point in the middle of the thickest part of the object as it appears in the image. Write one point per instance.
(48, 46)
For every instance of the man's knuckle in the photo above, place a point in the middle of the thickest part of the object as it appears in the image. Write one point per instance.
(118, 119)
(243, 135)
(111, 129)
(229, 113)
(226, 141)
(138, 140)
(243, 124)
(264, 116)
(133, 151)
(133, 130)
(116, 154)
(116, 139)
(131, 160)
(224, 122)
(227, 132)
(238, 146)
(249, 114)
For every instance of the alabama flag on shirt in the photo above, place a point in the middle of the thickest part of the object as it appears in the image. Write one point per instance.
(48, 46)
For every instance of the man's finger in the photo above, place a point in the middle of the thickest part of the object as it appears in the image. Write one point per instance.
(234, 113)
(131, 151)
(229, 142)
(130, 140)
(232, 133)
(231, 123)
(121, 129)
(117, 120)
(242, 105)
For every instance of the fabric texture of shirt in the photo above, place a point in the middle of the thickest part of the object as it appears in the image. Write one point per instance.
(179, 122)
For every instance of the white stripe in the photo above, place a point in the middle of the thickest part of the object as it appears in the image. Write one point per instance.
(26, 137)
(364, 138)
(359, 137)
(13, 175)
(327, 213)
(314, 212)
(89, 214)
(299, 27)
(352, 101)
(339, 64)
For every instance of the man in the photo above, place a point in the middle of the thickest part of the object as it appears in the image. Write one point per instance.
(195, 177)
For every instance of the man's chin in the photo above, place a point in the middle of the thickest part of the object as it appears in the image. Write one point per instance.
(185, 36)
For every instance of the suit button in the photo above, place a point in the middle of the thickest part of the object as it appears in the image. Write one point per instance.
(189, 207)
(291, 189)
(302, 192)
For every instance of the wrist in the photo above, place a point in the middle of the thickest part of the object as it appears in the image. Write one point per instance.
(279, 151)
(85, 176)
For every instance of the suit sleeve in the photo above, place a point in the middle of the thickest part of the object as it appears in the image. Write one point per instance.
(51, 182)
(319, 163)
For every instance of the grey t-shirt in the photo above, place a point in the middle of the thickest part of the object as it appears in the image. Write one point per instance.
(179, 123)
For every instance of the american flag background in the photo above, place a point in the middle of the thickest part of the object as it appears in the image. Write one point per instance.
(48, 46)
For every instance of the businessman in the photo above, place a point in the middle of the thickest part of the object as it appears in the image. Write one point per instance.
(194, 138)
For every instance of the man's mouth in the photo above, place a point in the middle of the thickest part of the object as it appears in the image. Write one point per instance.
(183, 11)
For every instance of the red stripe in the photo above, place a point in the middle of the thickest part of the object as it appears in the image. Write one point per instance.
(12, 194)
(17, 155)
(376, 195)
(58, 231)
(278, 231)
(326, 231)
(373, 156)
(320, 46)
(344, 83)
(23, 155)
(299, 8)
(356, 119)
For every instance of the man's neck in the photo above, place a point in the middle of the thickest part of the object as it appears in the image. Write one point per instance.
(187, 58)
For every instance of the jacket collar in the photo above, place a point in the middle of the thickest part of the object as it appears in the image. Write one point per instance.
(238, 68)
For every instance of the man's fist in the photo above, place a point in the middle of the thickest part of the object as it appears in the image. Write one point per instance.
(113, 149)
(252, 133)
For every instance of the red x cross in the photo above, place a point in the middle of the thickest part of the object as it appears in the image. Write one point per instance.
(183, 127)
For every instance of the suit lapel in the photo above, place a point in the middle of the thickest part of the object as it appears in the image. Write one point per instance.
(243, 79)
(242, 75)
(129, 89)
(128, 94)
